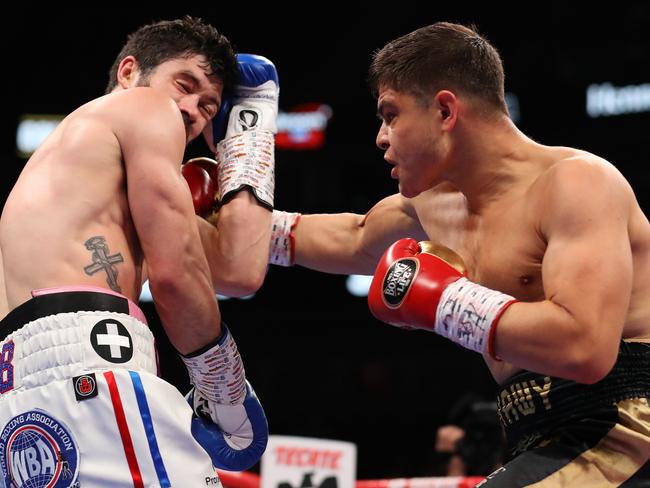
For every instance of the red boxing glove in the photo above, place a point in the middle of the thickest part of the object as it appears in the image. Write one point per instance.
(423, 286)
(407, 285)
(200, 174)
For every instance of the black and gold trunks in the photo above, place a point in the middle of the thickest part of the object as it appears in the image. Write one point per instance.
(562, 433)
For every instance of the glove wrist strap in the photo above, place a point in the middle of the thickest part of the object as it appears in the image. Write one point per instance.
(247, 161)
(217, 371)
(283, 244)
(468, 313)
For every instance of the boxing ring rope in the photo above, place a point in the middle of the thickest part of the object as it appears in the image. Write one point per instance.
(245, 479)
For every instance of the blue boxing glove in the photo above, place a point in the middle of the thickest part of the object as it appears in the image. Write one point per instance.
(252, 106)
(229, 422)
(235, 436)
(242, 133)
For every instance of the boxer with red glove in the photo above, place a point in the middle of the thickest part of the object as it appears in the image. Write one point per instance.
(424, 286)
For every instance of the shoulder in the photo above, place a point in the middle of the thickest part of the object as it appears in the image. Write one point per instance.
(579, 174)
(580, 187)
(137, 109)
(142, 114)
(139, 98)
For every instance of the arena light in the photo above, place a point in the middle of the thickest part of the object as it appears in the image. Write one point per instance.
(512, 102)
(32, 131)
(303, 127)
(358, 285)
(145, 295)
(606, 100)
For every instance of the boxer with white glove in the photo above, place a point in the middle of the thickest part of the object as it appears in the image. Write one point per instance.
(242, 134)
(229, 420)
(423, 286)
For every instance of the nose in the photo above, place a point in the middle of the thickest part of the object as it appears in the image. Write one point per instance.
(382, 138)
(189, 107)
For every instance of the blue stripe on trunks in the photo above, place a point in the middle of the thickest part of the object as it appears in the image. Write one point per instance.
(148, 428)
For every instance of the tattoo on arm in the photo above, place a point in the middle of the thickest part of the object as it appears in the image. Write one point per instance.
(103, 261)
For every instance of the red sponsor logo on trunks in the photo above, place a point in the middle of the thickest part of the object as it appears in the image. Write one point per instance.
(85, 386)
(301, 456)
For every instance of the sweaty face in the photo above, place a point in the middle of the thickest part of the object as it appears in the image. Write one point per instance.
(197, 94)
(409, 138)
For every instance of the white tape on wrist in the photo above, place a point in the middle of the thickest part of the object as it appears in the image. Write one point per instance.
(218, 373)
(247, 160)
(468, 313)
(282, 249)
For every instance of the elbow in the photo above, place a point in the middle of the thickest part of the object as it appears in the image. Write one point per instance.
(255, 282)
(246, 288)
(174, 278)
(165, 285)
(592, 371)
(240, 284)
(591, 361)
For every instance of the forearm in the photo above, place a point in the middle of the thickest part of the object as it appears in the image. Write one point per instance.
(331, 243)
(187, 307)
(546, 338)
(349, 243)
(237, 249)
(179, 280)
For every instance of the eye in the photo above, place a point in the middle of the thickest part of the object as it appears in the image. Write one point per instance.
(184, 87)
(210, 110)
(388, 117)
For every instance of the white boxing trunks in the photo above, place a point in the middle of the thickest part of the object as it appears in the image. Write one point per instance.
(81, 404)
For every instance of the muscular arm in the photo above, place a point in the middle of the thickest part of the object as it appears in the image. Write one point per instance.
(587, 276)
(238, 249)
(163, 215)
(348, 243)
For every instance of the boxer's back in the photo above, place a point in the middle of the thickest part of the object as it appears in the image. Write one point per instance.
(67, 220)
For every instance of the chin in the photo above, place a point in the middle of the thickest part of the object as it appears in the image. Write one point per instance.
(409, 192)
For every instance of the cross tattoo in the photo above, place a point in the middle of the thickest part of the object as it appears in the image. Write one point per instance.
(102, 261)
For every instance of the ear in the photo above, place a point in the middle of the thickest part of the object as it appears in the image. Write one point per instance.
(447, 105)
(127, 73)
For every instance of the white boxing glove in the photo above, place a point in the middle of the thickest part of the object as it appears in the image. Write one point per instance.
(242, 135)
(229, 421)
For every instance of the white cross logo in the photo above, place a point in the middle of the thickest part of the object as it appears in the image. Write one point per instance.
(113, 339)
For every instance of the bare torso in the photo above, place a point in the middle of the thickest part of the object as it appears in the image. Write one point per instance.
(503, 248)
(67, 220)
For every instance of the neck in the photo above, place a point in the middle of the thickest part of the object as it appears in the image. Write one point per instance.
(487, 158)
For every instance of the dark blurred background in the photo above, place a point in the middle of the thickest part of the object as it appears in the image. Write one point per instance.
(320, 363)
